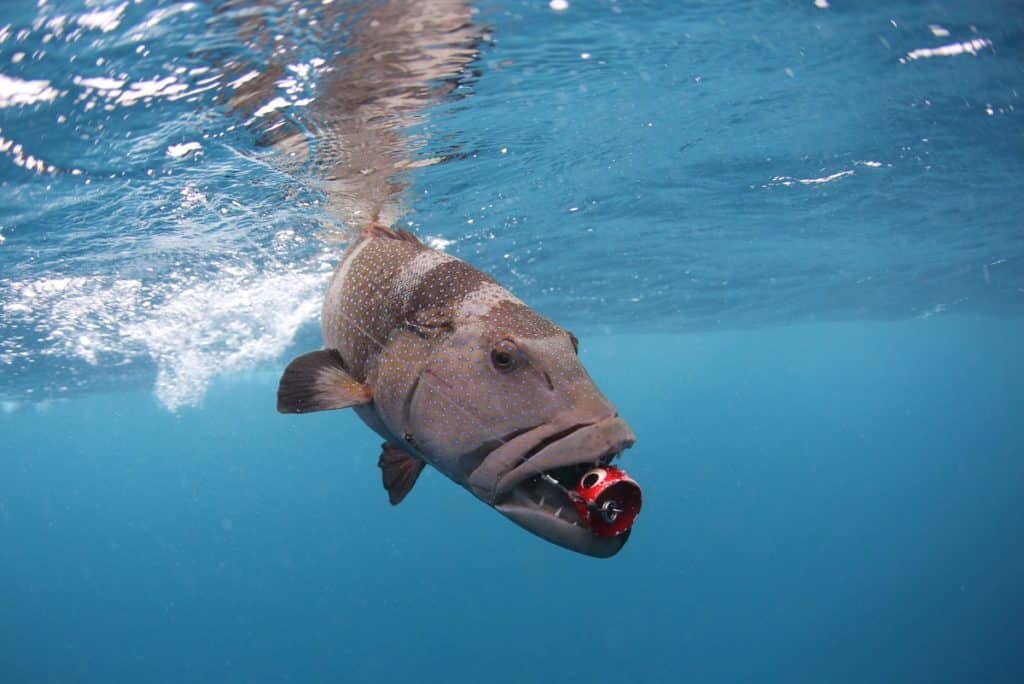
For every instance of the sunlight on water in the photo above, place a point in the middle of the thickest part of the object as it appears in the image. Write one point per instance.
(215, 286)
(179, 178)
(14, 91)
(967, 48)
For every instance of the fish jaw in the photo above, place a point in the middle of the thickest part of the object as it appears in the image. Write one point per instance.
(561, 525)
(529, 479)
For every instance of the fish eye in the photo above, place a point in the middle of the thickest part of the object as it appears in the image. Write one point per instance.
(505, 356)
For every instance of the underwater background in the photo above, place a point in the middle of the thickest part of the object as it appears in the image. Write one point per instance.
(788, 235)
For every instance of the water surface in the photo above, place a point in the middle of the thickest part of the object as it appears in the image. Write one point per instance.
(788, 235)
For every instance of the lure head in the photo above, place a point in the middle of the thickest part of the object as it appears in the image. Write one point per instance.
(608, 500)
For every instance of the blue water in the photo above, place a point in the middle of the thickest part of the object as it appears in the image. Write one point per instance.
(788, 236)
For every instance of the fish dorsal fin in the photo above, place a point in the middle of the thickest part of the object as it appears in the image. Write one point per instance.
(399, 471)
(373, 229)
(318, 381)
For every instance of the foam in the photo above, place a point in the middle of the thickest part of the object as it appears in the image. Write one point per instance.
(194, 329)
(223, 326)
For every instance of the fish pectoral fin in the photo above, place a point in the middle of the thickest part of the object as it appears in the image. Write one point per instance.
(318, 381)
(399, 471)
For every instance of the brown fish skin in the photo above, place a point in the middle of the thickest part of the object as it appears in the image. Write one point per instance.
(453, 370)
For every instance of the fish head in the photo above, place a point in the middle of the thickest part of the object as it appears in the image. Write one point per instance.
(505, 407)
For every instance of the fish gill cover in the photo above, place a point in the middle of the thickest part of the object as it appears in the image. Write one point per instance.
(179, 177)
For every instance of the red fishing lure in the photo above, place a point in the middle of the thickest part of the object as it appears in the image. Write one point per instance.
(608, 500)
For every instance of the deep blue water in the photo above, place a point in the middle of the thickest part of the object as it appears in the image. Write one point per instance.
(788, 235)
(835, 502)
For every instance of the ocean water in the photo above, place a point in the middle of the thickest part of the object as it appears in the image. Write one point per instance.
(788, 235)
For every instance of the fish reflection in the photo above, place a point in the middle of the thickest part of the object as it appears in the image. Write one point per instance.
(398, 58)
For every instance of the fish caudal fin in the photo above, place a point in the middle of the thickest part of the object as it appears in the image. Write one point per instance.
(318, 381)
(399, 471)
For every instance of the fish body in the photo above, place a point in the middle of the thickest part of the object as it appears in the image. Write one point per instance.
(455, 372)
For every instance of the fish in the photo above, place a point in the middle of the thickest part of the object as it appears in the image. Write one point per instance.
(453, 371)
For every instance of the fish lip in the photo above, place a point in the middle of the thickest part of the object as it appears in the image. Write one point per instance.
(545, 508)
(584, 443)
(573, 536)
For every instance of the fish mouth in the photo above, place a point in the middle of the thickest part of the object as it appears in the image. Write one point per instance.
(529, 479)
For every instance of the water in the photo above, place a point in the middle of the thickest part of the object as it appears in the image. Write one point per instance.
(788, 236)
